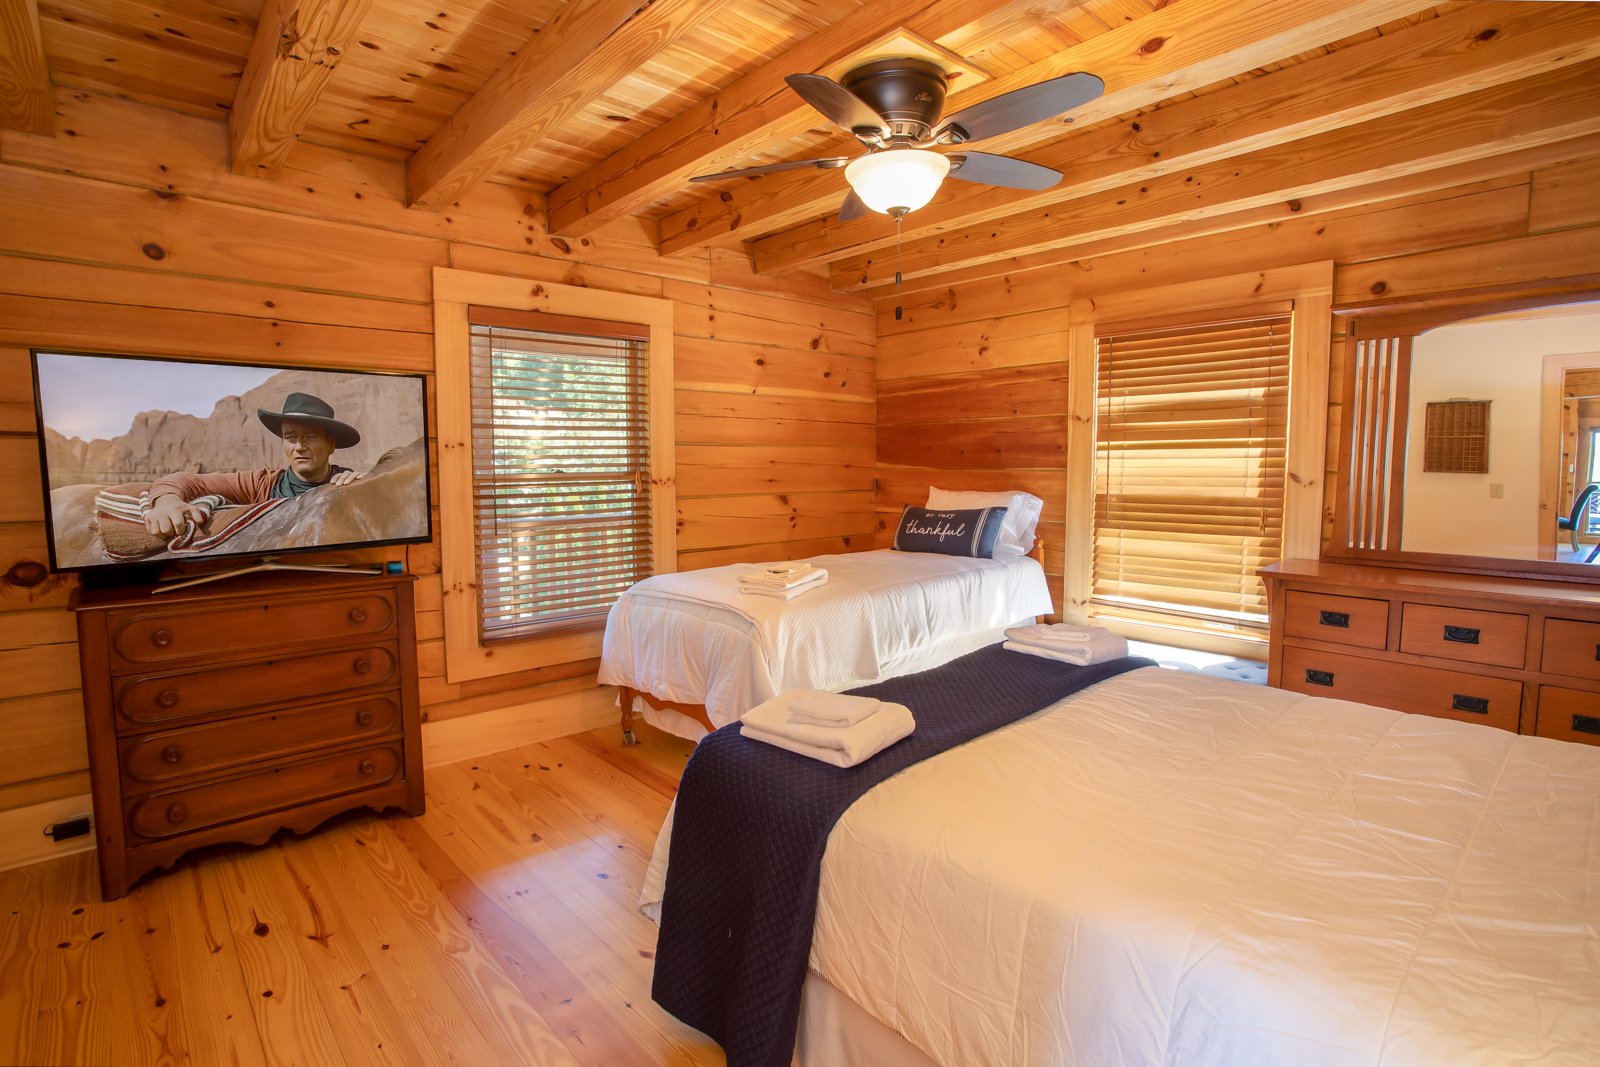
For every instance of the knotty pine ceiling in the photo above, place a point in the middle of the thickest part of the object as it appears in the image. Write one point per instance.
(1215, 109)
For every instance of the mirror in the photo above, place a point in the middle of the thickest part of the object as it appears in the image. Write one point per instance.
(1473, 430)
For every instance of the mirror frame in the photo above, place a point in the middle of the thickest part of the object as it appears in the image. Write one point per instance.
(1406, 319)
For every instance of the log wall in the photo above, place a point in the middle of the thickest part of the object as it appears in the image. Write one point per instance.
(972, 375)
(126, 232)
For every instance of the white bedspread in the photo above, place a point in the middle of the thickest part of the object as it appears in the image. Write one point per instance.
(692, 637)
(1174, 869)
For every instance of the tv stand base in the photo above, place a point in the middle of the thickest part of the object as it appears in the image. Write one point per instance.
(168, 583)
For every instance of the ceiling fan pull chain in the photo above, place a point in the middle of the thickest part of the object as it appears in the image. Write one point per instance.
(897, 220)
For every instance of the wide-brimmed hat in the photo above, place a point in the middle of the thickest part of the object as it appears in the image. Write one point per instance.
(303, 407)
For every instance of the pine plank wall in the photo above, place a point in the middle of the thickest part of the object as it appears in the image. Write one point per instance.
(127, 233)
(805, 418)
(972, 377)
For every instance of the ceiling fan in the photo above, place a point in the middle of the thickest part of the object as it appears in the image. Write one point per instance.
(892, 106)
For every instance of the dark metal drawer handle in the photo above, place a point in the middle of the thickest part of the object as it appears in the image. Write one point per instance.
(1476, 705)
(1335, 618)
(171, 754)
(1586, 724)
(161, 638)
(167, 698)
(358, 615)
(1461, 635)
(1319, 677)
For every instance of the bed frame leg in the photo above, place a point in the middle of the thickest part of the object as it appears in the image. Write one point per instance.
(627, 716)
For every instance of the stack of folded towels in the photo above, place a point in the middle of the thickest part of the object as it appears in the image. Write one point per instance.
(831, 727)
(782, 580)
(1070, 644)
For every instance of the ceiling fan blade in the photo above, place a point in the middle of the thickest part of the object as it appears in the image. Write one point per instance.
(990, 169)
(1021, 107)
(837, 104)
(773, 168)
(852, 208)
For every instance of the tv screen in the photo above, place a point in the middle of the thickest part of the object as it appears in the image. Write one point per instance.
(156, 461)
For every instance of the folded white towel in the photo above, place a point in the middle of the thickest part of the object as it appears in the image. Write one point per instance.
(818, 707)
(815, 580)
(1061, 634)
(762, 580)
(842, 747)
(1097, 651)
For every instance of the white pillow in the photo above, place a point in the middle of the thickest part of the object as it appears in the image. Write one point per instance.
(1022, 515)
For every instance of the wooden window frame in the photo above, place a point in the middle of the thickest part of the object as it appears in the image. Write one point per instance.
(1310, 288)
(467, 656)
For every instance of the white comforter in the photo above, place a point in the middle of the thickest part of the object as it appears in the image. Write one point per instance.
(1173, 869)
(692, 637)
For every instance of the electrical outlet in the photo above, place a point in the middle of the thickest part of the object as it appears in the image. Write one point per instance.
(1497, 491)
(67, 829)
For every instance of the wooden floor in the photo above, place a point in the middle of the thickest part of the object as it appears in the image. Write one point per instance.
(498, 928)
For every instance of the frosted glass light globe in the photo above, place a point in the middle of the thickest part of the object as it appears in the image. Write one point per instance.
(898, 179)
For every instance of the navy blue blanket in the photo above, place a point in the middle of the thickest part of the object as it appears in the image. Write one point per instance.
(751, 825)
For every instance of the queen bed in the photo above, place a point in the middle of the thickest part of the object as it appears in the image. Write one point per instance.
(1167, 868)
(695, 653)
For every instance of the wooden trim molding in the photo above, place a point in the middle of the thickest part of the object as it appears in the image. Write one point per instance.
(467, 656)
(26, 101)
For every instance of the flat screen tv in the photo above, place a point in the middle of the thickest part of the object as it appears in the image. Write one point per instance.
(149, 462)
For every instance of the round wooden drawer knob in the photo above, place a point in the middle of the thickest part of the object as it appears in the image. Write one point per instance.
(177, 813)
(358, 615)
(167, 698)
(362, 666)
(171, 754)
(364, 717)
(161, 638)
(367, 766)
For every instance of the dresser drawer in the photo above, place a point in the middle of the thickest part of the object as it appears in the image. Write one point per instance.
(1569, 715)
(217, 746)
(1493, 637)
(1404, 687)
(144, 637)
(1347, 620)
(178, 811)
(1571, 648)
(169, 698)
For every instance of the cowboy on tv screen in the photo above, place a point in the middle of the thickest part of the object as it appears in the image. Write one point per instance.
(154, 461)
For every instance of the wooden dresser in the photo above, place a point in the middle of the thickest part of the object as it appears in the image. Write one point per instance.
(228, 711)
(1518, 654)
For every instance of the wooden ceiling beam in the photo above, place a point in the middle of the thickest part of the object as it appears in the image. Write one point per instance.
(726, 128)
(297, 46)
(1129, 252)
(1176, 49)
(1494, 121)
(26, 102)
(1471, 48)
(587, 48)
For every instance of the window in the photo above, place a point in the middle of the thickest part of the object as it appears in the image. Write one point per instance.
(1191, 437)
(523, 592)
(560, 467)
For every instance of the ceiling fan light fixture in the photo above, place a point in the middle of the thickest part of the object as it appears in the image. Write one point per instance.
(897, 180)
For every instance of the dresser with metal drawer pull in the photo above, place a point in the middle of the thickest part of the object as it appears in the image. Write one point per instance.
(1518, 654)
(230, 711)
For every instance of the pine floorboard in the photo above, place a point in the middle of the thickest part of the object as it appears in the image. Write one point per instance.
(499, 928)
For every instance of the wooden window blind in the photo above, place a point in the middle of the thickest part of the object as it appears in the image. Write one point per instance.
(561, 468)
(1191, 437)
(1455, 437)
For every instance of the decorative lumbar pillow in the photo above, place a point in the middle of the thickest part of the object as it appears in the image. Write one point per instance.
(969, 532)
(1022, 515)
